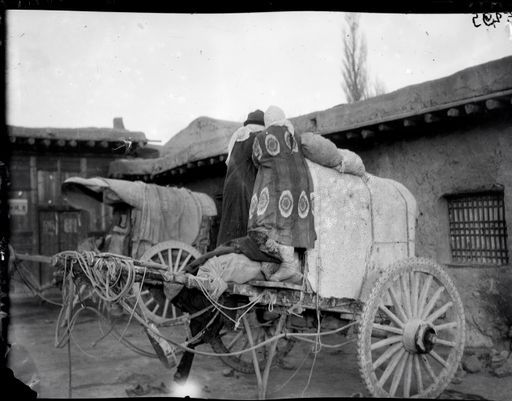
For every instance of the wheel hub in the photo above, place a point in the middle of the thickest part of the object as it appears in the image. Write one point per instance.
(419, 337)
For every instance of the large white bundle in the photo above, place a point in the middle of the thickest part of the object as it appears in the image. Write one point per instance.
(361, 227)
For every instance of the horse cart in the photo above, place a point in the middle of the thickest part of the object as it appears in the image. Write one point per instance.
(362, 276)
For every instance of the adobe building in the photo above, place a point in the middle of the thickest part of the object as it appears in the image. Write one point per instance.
(41, 159)
(449, 141)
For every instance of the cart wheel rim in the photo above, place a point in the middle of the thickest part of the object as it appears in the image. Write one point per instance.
(418, 317)
(157, 307)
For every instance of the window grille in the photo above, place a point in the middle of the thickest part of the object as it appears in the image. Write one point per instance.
(478, 231)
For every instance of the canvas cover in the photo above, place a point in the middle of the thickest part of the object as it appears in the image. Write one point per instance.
(158, 213)
(361, 227)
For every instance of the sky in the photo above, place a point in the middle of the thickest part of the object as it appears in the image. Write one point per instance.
(161, 71)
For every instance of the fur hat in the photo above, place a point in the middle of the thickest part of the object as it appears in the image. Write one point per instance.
(255, 117)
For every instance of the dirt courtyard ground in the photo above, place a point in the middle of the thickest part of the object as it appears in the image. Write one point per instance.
(109, 369)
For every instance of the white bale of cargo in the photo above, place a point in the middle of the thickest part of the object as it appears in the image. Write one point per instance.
(362, 227)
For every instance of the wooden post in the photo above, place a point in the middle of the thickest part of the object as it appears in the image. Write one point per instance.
(272, 352)
(261, 394)
(34, 212)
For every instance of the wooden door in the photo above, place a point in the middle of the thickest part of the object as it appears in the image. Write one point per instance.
(71, 230)
(59, 231)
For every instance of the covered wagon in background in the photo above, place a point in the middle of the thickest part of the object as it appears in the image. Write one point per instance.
(167, 225)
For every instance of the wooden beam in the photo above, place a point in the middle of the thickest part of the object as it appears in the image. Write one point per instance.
(472, 108)
(31, 141)
(61, 143)
(34, 258)
(453, 112)
(190, 165)
(222, 158)
(47, 142)
(104, 144)
(211, 160)
(493, 104)
(73, 143)
(173, 171)
(181, 170)
(200, 163)
(367, 134)
(12, 139)
(409, 123)
(431, 118)
(90, 144)
(384, 127)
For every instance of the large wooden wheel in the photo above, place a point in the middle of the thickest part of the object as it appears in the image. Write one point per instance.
(412, 331)
(176, 255)
(231, 340)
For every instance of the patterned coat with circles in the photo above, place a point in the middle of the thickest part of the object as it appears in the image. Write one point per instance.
(281, 203)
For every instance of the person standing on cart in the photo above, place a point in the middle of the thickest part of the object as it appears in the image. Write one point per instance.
(239, 181)
(280, 212)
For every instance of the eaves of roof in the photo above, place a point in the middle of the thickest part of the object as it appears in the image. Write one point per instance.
(485, 89)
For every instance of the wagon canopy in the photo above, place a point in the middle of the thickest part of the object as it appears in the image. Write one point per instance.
(158, 213)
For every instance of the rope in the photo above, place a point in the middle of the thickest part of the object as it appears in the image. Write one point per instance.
(27, 279)
(219, 306)
(136, 303)
(108, 284)
(263, 343)
(70, 371)
(310, 374)
(292, 376)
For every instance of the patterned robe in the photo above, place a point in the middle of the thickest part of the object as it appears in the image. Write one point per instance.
(283, 190)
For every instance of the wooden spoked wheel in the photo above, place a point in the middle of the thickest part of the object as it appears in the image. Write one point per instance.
(154, 303)
(231, 340)
(412, 331)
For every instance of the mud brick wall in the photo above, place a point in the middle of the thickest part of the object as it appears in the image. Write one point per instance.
(472, 157)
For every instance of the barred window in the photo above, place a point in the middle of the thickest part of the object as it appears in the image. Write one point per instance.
(478, 231)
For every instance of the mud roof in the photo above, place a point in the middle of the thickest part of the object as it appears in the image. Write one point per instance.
(478, 89)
